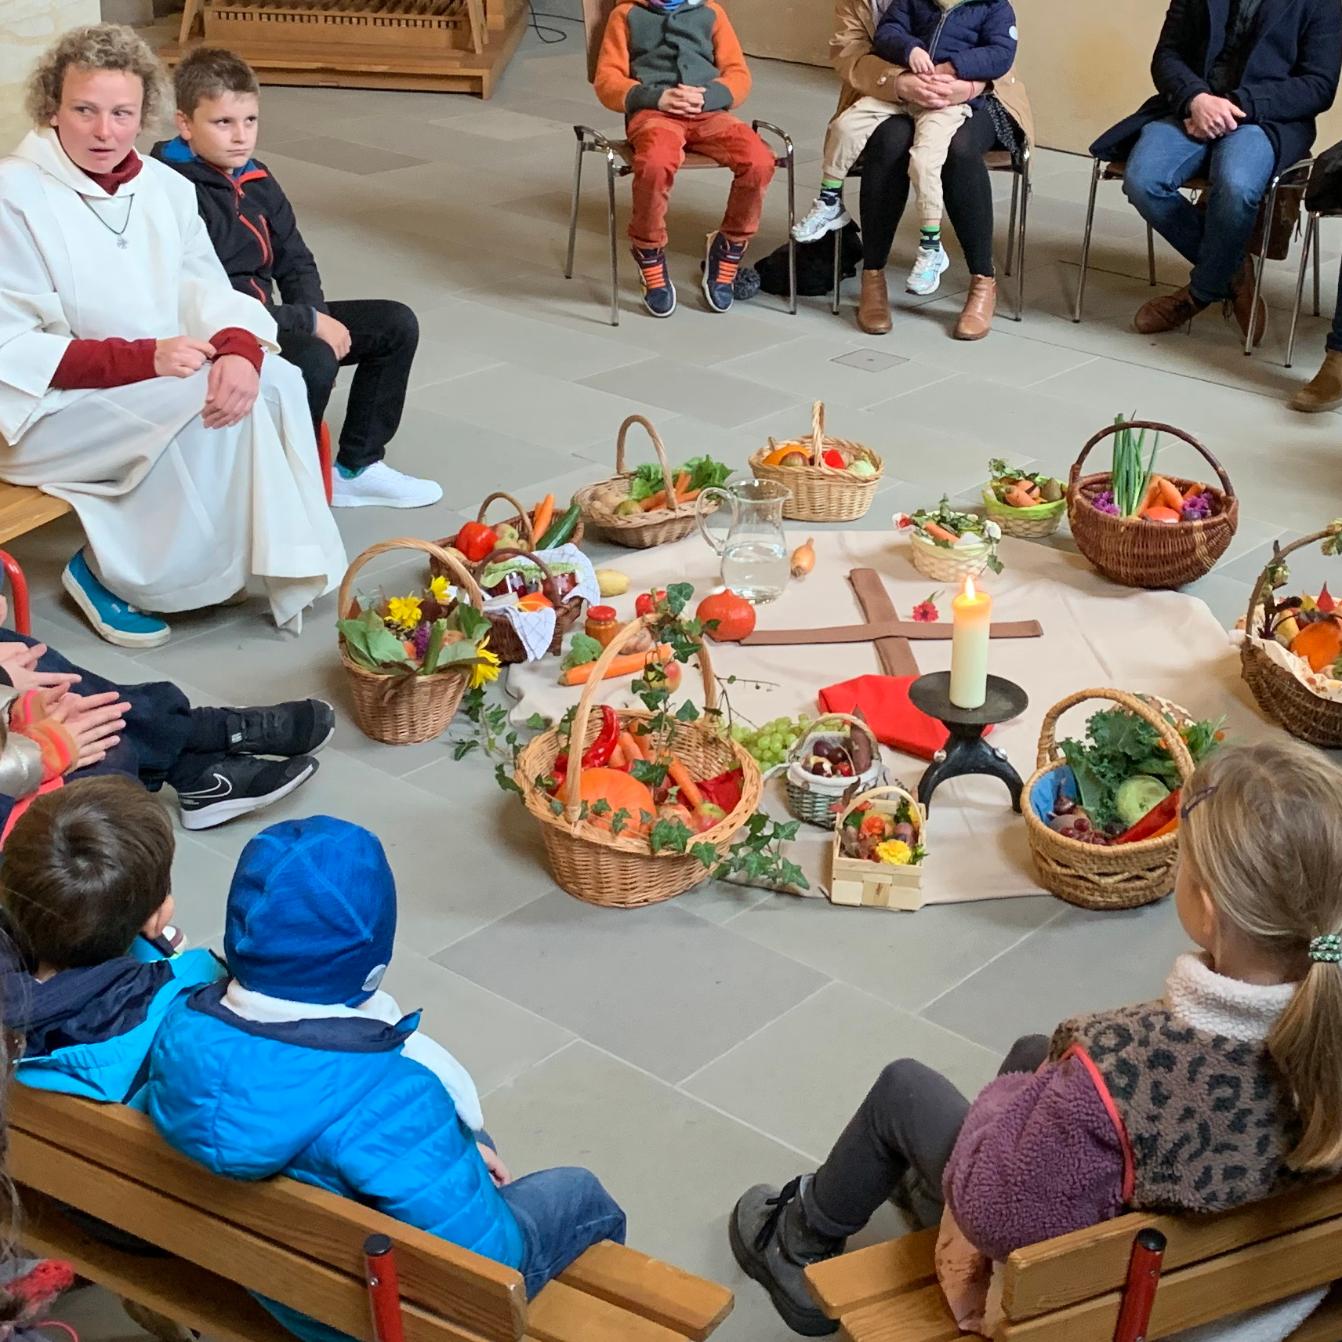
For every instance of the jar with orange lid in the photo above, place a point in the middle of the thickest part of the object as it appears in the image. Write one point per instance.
(601, 624)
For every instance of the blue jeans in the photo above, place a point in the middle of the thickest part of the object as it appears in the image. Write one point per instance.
(1238, 166)
(562, 1212)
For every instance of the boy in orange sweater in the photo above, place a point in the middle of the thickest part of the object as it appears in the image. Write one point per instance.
(674, 68)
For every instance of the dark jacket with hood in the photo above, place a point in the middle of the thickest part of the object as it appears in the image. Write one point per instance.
(1290, 71)
(254, 231)
(978, 37)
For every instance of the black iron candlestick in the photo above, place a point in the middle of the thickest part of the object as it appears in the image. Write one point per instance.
(967, 752)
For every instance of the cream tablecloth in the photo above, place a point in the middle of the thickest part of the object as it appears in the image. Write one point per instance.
(1095, 634)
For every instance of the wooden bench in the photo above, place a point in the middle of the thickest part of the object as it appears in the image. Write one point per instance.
(1072, 1289)
(308, 1249)
(23, 509)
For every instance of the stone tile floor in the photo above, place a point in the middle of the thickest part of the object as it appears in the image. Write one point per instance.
(690, 1049)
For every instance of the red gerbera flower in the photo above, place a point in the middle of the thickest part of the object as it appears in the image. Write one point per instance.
(925, 612)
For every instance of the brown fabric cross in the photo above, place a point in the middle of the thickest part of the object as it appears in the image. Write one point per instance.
(883, 628)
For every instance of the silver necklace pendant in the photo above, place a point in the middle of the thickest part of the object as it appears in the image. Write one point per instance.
(122, 243)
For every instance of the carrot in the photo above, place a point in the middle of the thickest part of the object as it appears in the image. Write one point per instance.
(1019, 498)
(544, 514)
(940, 533)
(1193, 491)
(1152, 495)
(657, 500)
(680, 484)
(661, 501)
(689, 789)
(628, 665)
(1159, 513)
(629, 744)
(1169, 494)
(618, 760)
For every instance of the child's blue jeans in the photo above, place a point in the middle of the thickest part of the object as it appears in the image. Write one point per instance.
(562, 1212)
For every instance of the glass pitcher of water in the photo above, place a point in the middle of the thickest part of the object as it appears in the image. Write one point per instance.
(754, 550)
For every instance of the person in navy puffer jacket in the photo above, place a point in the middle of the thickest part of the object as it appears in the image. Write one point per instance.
(299, 1065)
(962, 39)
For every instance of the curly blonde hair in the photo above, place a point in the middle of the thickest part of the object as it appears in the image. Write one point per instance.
(98, 46)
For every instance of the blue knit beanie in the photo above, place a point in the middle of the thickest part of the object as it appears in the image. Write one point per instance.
(311, 912)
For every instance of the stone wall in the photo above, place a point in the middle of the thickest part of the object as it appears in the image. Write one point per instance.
(26, 27)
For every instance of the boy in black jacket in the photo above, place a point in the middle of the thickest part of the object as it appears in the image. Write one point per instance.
(252, 226)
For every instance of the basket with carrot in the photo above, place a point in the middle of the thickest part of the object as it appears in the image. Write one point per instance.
(653, 504)
(1025, 504)
(544, 527)
(638, 805)
(830, 479)
(949, 546)
(1145, 529)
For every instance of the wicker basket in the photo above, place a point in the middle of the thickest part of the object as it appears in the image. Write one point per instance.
(504, 641)
(819, 492)
(814, 799)
(660, 526)
(400, 710)
(1094, 876)
(1137, 553)
(1280, 695)
(856, 882)
(618, 870)
(521, 521)
(947, 564)
(1025, 524)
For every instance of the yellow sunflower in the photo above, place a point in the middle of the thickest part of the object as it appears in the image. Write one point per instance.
(404, 612)
(487, 668)
(894, 851)
(438, 590)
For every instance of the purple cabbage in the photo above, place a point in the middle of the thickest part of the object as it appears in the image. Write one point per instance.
(1104, 502)
(421, 639)
(1198, 508)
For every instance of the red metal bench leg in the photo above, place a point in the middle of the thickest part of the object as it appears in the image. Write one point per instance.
(18, 586)
(384, 1289)
(1139, 1292)
(324, 457)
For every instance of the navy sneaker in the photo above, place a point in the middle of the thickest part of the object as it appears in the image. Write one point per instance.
(234, 785)
(724, 260)
(659, 294)
(114, 619)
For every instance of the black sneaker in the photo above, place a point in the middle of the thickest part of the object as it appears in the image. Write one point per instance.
(301, 727)
(231, 786)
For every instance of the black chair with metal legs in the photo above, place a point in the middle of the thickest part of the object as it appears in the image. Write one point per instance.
(997, 160)
(1102, 171)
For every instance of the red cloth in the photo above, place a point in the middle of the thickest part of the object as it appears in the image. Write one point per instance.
(236, 340)
(884, 702)
(104, 363)
(660, 144)
(123, 172)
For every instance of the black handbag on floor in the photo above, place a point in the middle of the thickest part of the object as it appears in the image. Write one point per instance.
(815, 264)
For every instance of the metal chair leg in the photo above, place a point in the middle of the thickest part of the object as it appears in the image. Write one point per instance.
(1310, 237)
(573, 211)
(791, 223)
(1025, 188)
(18, 591)
(838, 270)
(1085, 241)
(1011, 225)
(1271, 205)
(1315, 226)
(384, 1289)
(614, 254)
(1151, 256)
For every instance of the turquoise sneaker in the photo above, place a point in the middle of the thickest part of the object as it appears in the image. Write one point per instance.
(114, 619)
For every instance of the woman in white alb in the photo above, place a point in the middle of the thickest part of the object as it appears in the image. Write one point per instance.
(134, 380)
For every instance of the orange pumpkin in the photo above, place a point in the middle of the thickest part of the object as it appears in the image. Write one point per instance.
(1319, 643)
(732, 617)
(622, 792)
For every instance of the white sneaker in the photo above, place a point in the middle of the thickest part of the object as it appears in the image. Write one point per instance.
(820, 219)
(928, 267)
(381, 486)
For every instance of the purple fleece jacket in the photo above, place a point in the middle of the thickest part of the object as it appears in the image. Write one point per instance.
(1039, 1155)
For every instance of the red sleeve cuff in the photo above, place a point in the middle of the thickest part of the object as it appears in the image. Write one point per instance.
(104, 363)
(236, 340)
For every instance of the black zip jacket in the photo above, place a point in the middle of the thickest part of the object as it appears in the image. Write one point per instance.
(255, 234)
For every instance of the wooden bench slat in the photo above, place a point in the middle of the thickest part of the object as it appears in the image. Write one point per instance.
(335, 1298)
(1243, 1279)
(24, 509)
(841, 1285)
(689, 1305)
(914, 1316)
(1325, 1324)
(562, 1314)
(180, 1290)
(485, 1297)
(1093, 1262)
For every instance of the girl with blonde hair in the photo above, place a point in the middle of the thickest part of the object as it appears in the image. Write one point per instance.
(1225, 1090)
(134, 381)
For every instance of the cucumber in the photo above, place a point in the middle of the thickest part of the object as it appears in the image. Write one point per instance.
(1138, 795)
(561, 529)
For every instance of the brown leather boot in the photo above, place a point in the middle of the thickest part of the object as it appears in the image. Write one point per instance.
(1324, 392)
(1242, 299)
(1168, 312)
(873, 307)
(980, 303)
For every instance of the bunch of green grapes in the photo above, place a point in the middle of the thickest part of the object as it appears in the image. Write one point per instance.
(770, 743)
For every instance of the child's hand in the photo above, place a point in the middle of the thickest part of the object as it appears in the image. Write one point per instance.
(683, 100)
(920, 62)
(93, 720)
(498, 1171)
(336, 334)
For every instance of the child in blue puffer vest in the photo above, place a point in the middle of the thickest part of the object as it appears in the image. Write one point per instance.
(299, 1065)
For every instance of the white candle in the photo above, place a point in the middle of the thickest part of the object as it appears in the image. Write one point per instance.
(969, 646)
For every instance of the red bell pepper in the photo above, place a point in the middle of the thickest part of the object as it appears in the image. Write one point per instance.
(598, 754)
(476, 541)
(1162, 818)
(646, 602)
(724, 790)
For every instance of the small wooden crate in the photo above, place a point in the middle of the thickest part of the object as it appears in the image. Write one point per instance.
(855, 882)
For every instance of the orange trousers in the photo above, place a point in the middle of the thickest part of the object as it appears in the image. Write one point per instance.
(660, 143)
